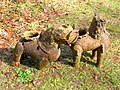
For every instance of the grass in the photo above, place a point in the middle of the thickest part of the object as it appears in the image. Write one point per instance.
(18, 17)
(23, 76)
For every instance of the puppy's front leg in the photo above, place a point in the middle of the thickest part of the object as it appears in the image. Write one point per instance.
(77, 51)
(18, 51)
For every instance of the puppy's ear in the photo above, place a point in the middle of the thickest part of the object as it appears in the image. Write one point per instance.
(96, 16)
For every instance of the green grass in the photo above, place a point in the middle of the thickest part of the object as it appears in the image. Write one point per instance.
(59, 75)
(23, 76)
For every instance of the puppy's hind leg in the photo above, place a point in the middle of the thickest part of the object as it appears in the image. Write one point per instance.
(18, 51)
(94, 54)
(77, 51)
(100, 54)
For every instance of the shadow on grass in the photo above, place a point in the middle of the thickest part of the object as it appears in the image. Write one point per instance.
(87, 60)
(6, 56)
(86, 54)
(28, 61)
(84, 58)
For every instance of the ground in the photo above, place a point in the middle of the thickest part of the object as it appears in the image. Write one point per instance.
(16, 17)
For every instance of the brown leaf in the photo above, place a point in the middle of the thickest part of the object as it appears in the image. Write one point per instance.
(33, 88)
(96, 78)
(100, 3)
(2, 41)
(116, 46)
(116, 60)
(42, 74)
(57, 66)
(26, 83)
(37, 82)
(5, 21)
(3, 46)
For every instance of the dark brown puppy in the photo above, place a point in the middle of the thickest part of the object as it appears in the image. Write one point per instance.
(46, 48)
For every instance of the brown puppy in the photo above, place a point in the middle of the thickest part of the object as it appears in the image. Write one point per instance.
(46, 48)
(96, 39)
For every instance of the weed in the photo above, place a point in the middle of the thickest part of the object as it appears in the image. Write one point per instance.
(23, 75)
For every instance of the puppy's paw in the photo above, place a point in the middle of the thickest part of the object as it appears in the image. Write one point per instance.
(75, 66)
(16, 63)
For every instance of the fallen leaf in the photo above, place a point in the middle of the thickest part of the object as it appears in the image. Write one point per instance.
(57, 66)
(116, 46)
(3, 33)
(96, 78)
(116, 60)
(42, 74)
(26, 83)
(36, 82)
(2, 41)
(33, 88)
(4, 45)
(5, 21)
(100, 2)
